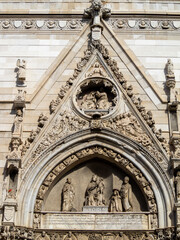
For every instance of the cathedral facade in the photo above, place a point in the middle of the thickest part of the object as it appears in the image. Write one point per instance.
(90, 139)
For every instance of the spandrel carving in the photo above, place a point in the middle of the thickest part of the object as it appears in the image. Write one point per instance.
(68, 194)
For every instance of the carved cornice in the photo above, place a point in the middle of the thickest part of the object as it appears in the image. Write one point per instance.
(106, 153)
(124, 23)
(143, 24)
(41, 24)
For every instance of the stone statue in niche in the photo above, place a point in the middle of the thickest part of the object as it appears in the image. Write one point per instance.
(126, 195)
(177, 182)
(17, 127)
(96, 100)
(95, 192)
(115, 204)
(67, 196)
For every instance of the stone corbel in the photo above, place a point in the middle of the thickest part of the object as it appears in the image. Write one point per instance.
(20, 100)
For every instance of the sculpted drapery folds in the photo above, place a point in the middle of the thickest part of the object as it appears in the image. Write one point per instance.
(115, 204)
(95, 192)
(91, 192)
(126, 195)
(67, 196)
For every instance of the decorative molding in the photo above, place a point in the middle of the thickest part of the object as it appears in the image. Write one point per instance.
(41, 122)
(143, 24)
(108, 153)
(40, 24)
(64, 24)
(13, 232)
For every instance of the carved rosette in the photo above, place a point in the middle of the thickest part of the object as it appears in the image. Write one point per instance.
(96, 97)
(101, 152)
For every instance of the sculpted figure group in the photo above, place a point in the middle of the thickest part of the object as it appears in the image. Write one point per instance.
(120, 200)
(95, 192)
(96, 100)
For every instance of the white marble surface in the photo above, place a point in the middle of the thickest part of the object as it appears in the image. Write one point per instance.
(96, 221)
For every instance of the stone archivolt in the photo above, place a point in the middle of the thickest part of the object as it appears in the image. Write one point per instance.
(104, 153)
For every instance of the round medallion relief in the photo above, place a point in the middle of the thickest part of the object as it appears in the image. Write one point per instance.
(96, 97)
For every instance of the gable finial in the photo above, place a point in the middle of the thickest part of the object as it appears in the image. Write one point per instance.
(96, 12)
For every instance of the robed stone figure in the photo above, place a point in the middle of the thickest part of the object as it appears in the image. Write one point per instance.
(115, 204)
(67, 196)
(91, 192)
(126, 195)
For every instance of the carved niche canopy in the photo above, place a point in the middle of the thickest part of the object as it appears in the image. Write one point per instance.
(96, 96)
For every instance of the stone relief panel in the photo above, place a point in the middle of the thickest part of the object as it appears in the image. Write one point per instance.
(96, 97)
